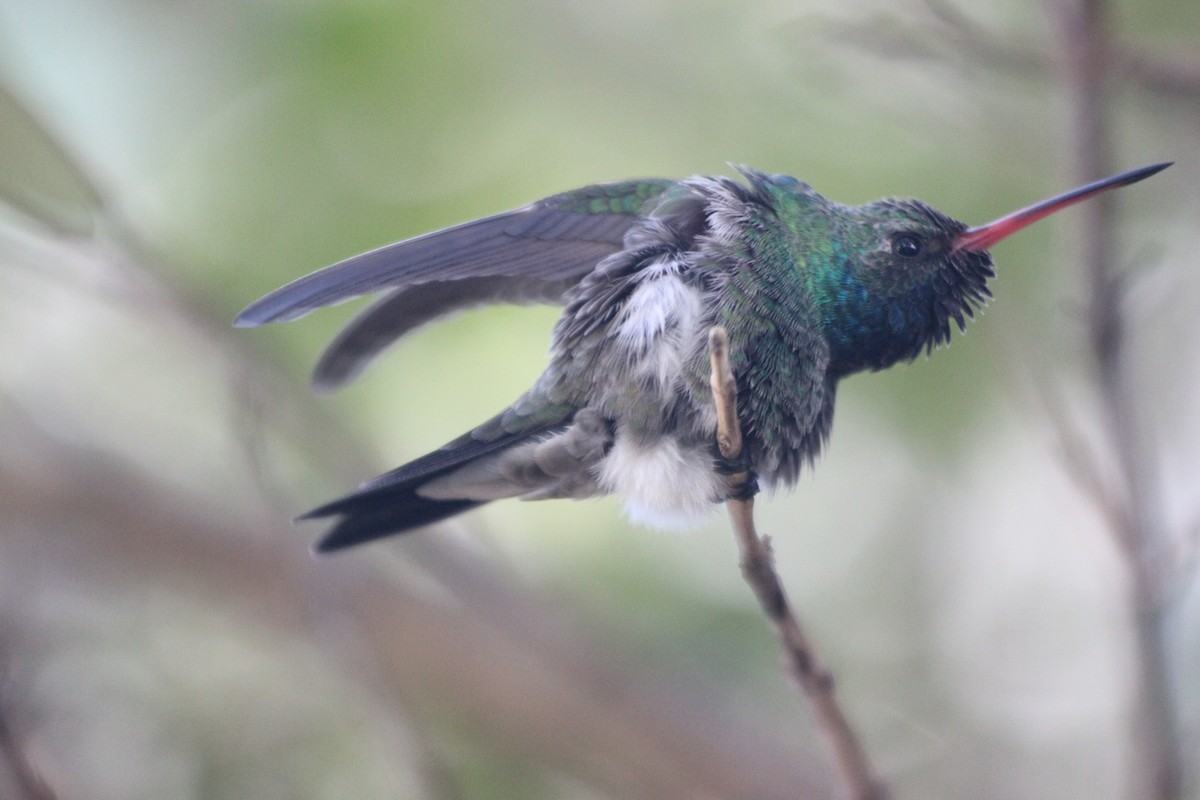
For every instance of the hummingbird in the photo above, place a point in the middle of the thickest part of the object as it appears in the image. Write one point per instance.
(808, 290)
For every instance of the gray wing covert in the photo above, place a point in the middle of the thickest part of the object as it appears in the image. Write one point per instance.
(556, 239)
(530, 255)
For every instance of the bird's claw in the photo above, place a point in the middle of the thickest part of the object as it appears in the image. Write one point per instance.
(732, 466)
(743, 482)
(743, 489)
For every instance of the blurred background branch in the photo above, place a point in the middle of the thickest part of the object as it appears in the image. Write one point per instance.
(931, 29)
(1144, 538)
(517, 679)
(168, 633)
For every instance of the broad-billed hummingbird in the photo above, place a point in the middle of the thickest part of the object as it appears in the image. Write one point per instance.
(808, 290)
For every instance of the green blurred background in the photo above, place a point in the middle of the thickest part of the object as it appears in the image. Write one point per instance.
(165, 632)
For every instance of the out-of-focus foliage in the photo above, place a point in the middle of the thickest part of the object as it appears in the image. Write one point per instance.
(165, 633)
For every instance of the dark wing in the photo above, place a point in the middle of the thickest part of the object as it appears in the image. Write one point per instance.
(395, 314)
(553, 240)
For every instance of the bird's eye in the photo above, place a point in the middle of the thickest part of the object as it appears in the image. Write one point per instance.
(907, 245)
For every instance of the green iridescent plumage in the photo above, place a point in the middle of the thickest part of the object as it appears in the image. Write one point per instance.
(808, 290)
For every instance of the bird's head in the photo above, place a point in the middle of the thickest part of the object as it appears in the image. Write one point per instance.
(903, 272)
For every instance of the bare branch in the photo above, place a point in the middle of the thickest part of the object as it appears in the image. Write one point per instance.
(1087, 47)
(810, 674)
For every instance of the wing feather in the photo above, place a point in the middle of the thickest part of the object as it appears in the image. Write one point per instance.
(399, 312)
(555, 239)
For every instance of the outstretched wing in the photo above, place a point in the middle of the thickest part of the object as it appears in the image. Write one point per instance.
(402, 310)
(555, 240)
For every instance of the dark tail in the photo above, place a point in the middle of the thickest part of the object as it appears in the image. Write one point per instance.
(390, 504)
(375, 513)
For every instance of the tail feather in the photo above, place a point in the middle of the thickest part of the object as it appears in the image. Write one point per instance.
(373, 514)
(392, 504)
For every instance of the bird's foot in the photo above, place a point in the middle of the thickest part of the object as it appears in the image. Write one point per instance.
(731, 466)
(742, 486)
(743, 482)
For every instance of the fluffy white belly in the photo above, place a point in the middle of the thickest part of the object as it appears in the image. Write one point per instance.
(663, 485)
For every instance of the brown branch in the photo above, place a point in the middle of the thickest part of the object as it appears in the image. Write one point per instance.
(810, 674)
(1088, 46)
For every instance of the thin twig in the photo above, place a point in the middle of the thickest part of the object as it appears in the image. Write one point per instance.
(1087, 46)
(810, 674)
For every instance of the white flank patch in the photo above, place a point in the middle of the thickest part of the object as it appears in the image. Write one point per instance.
(658, 324)
(663, 485)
